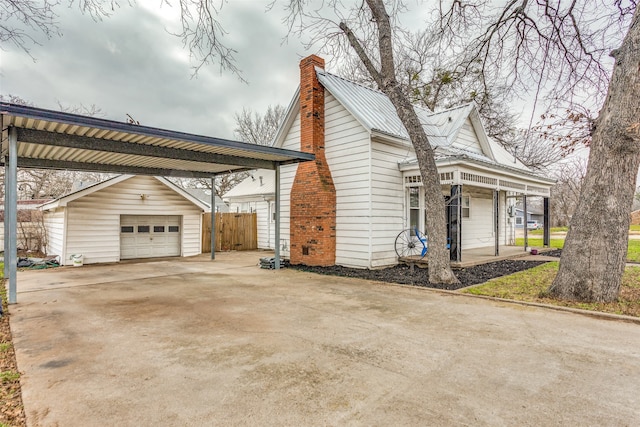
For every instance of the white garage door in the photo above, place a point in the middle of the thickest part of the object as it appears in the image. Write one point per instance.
(149, 236)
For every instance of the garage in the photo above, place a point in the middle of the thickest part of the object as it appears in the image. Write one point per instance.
(149, 236)
(124, 217)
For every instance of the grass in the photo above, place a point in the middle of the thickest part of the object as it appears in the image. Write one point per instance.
(634, 228)
(531, 285)
(9, 376)
(553, 230)
(633, 250)
(534, 241)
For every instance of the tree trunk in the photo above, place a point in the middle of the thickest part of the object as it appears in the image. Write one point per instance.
(439, 263)
(438, 257)
(594, 255)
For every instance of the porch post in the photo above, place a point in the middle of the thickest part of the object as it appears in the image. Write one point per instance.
(276, 237)
(547, 224)
(524, 221)
(11, 214)
(213, 217)
(455, 223)
(496, 220)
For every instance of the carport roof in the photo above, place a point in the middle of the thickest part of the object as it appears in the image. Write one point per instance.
(57, 140)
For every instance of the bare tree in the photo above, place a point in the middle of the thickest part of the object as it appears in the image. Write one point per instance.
(565, 194)
(251, 127)
(564, 48)
(429, 79)
(384, 74)
(259, 129)
(18, 16)
(22, 22)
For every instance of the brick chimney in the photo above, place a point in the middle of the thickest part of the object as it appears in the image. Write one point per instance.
(313, 196)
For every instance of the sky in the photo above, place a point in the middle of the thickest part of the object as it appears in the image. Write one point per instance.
(129, 63)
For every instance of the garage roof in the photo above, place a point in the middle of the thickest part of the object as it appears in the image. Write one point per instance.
(57, 140)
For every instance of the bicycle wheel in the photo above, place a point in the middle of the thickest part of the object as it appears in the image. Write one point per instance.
(411, 244)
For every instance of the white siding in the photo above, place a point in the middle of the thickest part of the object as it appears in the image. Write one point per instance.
(93, 221)
(387, 202)
(287, 175)
(348, 153)
(467, 138)
(191, 233)
(54, 223)
(477, 230)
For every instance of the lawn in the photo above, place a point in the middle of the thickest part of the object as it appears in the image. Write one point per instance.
(633, 250)
(531, 285)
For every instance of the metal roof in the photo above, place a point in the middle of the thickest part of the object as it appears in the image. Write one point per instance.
(375, 112)
(56, 140)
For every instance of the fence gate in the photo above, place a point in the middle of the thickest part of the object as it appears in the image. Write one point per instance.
(234, 232)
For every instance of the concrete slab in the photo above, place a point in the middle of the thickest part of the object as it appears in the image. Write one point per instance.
(196, 342)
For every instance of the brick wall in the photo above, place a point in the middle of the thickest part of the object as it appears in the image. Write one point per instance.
(313, 195)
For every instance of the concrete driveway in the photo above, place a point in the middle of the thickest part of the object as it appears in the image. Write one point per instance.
(195, 342)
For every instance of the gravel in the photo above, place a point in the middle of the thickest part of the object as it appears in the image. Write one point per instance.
(417, 276)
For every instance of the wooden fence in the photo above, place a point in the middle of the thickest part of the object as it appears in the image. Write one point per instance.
(234, 232)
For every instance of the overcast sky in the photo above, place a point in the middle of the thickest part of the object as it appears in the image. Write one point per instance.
(129, 63)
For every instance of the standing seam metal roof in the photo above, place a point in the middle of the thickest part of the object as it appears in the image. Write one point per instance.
(375, 111)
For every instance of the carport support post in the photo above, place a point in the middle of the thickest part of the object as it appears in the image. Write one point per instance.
(524, 221)
(11, 214)
(547, 224)
(277, 230)
(213, 217)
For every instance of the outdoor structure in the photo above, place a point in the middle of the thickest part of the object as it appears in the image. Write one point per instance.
(39, 138)
(124, 217)
(256, 193)
(364, 187)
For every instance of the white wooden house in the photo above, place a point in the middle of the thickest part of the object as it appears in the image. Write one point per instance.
(257, 194)
(348, 206)
(123, 218)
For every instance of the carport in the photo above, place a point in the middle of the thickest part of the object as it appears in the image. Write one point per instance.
(47, 139)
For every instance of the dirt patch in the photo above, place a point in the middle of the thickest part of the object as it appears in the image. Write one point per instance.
(11, 408)
(405, 275)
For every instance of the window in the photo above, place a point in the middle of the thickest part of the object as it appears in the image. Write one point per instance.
(158, 228)
(414, 207)
(174, 229)
(466, 207)
(143, 228)
(126, 229)
(272, 206)
(519, 220)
